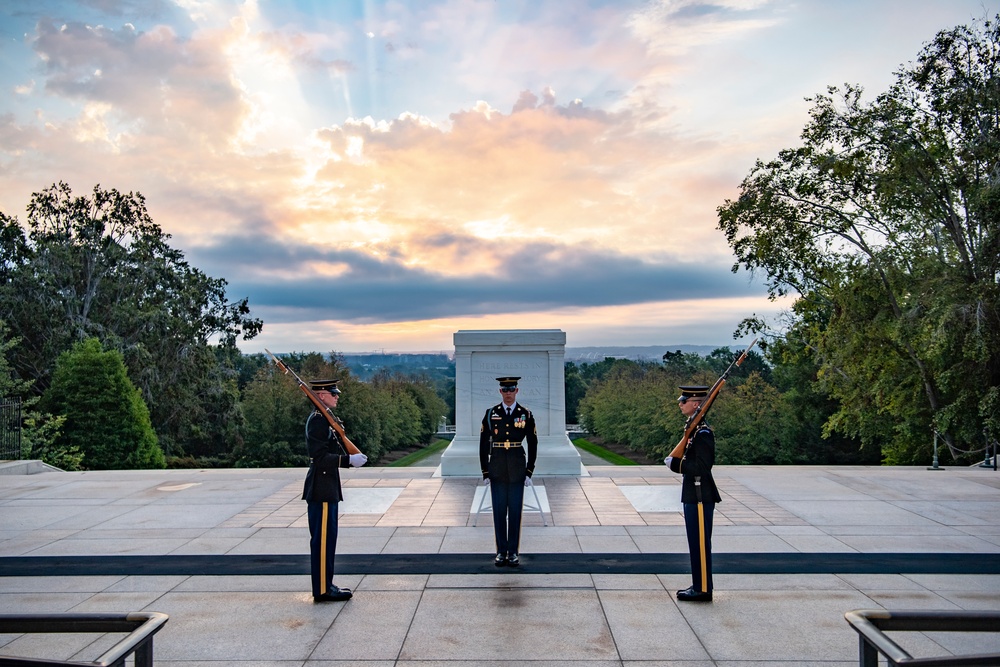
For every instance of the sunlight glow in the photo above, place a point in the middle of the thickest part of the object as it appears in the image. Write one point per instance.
(446, 141)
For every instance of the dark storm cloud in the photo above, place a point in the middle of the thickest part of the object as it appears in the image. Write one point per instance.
(371, 289)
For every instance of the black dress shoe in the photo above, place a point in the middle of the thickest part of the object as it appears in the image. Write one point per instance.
(692, 595)
(500, 560)
(513, 560)
(334, 595)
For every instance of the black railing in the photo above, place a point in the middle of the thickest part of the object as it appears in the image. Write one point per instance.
(872, 624)
(10, 429)
(141, 626)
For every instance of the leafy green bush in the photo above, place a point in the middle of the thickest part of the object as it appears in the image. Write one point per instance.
(106, 418)
(40, 440)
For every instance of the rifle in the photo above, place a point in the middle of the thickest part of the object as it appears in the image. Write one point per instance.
(699, 415)
(323, 410)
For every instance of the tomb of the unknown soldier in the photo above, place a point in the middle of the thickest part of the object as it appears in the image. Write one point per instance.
(538, 358)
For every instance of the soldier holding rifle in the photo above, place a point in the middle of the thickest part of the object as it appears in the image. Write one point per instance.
(694, 457)
(329, 450)
(698, 495)
(322, 490)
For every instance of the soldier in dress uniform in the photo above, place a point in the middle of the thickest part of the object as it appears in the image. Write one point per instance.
(698, 496)
(505, 468)
(323, 493)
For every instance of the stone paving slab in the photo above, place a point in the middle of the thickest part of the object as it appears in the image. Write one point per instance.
(774, 619)
(505, 617)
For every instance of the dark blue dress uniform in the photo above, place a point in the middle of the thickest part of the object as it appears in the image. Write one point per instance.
(699, 496)
(503, 462)
(323, 493)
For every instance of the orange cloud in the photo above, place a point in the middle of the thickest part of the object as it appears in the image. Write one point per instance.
(219, 129)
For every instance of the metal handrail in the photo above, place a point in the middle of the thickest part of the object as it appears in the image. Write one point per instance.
(141, 626)
(871, 625)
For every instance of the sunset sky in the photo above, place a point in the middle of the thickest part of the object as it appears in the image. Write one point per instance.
(378, 175)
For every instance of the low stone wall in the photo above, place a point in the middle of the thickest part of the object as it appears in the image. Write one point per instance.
(26, 467)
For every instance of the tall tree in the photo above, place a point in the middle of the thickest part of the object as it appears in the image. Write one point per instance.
(886, 222)
(99, 266)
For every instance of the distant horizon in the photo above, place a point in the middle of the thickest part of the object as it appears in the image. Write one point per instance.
(575, 348)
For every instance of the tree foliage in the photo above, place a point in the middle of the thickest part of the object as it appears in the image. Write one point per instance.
(390, 412)
(753, 426)
(633, 404)
(808, 408)
(766, 413)
(39, 430)
(99, 266)
(106, 418)
(575, 388)
(273, 407)
(885, 223)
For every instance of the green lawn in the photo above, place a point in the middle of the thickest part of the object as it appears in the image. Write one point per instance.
(420, 454)
(597, 450)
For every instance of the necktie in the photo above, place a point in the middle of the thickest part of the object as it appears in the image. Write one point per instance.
(508, 412)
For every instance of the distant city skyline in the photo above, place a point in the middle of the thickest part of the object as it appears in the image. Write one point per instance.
(380, 175)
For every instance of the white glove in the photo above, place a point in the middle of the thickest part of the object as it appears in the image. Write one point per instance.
(486, 482)
(667, 461)
(528, 482)
(358, 460)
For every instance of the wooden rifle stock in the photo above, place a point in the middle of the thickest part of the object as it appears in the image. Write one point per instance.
(323, 410)
(699, 416)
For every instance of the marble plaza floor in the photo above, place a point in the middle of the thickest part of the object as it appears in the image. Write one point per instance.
(224, 554)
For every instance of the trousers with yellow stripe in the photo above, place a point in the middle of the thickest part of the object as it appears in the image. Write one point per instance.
(698, 521)
(322, 544)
